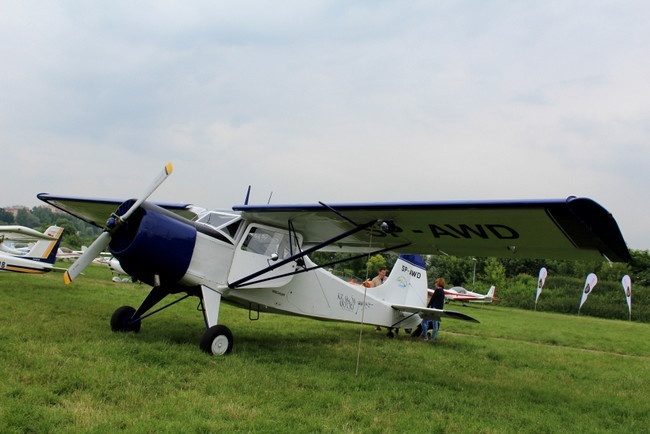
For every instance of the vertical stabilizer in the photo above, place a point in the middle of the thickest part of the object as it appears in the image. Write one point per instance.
(492, 291)
(45, 251)
(406, 283)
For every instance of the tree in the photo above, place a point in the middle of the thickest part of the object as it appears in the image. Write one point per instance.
(70, 238)
(26, 218)
(494, 273)
(456, 271)
(6, 218)
(44, 215)
(640, 267)
(374, 263)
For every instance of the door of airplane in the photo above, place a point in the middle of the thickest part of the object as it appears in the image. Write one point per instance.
(261, 247)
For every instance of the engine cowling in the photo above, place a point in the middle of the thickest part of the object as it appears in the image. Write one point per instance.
(154, 241)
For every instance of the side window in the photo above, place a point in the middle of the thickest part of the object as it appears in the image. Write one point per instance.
(262, 241)
(267, 242)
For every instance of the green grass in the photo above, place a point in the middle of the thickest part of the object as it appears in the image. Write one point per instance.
(63, 370)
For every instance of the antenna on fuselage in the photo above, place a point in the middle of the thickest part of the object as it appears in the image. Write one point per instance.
(270, 196)
(248, 194)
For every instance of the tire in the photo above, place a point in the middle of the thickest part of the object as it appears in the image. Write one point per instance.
(121, 320)
(217, 340)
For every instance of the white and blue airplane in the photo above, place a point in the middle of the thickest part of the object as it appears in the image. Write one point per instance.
(37, 259)
(257, 256)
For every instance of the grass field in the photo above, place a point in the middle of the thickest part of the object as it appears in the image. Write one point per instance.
(63, 370)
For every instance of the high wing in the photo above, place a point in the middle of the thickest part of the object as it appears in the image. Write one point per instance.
(572, 228)
(21, 233)
(96, 211)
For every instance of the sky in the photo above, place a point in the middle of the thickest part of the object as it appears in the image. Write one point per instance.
(332, 101)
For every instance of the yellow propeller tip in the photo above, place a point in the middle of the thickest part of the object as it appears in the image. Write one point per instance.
(169, 167)
(66, 278)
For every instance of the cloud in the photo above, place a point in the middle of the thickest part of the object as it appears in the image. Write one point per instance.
(331, 100)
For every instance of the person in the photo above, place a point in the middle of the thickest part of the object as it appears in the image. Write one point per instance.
(438, 302)
(376, 281)
(380, 277)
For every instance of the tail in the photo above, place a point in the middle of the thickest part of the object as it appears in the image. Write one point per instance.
(492, 291)
(45, 251)
(406, 283)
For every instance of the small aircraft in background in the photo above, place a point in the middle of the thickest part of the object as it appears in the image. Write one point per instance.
(458, 293)
(256, 256)
(119, 275)
(67, 254)
(38, 259)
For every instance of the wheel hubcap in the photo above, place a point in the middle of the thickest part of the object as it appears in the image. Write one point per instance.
(219, 345)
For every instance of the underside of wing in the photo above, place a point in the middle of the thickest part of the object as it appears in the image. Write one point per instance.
(572, 228)
(96, 211)
(436, 314)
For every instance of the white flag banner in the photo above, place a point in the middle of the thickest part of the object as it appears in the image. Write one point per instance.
(540, 283)
(591, 281)
(627, 288)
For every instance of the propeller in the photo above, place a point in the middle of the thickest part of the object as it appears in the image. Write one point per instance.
(112, 225)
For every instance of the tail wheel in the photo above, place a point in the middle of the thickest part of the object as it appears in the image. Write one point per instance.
(121, 320)
(217, 340)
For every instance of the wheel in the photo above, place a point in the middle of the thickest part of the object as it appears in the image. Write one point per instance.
(121, 320)
(217, 340)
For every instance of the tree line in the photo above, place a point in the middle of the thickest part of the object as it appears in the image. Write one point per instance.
(76, 232)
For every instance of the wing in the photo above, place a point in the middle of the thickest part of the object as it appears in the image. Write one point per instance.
(436, 314)
(97, 211)
(21, 233)
(572, 228)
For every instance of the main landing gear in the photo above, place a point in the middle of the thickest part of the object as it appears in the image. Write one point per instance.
(122, 320)
(217, 340)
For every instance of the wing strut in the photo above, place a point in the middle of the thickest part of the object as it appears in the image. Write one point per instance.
(337, 213)
(305, 269)
(299, 255)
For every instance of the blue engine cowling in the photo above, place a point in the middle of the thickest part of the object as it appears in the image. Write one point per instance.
(154, 241)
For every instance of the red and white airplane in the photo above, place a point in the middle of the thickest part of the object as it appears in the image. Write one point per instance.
(256, 256)
(458, 293)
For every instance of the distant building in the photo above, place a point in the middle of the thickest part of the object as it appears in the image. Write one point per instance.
(14, 209)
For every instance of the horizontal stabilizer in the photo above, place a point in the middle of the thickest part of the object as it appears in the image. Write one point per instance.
(435, 314)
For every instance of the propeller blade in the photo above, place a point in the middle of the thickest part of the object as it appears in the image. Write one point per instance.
(87, 257)
(159, 180)
(104, 239)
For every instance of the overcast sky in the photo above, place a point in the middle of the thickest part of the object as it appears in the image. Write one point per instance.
(334, 101)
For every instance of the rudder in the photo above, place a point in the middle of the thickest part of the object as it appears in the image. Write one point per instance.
(45, 251)
(406, 283)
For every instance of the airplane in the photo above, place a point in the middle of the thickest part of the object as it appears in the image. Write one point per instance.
(66, 254)
(458, 293)
(39, 258)
(117, 270)
(256, 256)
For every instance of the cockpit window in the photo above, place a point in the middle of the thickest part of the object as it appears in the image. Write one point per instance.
(227, 224)
(216, 219)
(232, 229)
